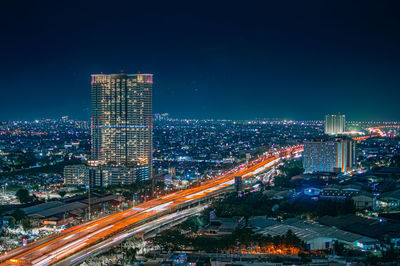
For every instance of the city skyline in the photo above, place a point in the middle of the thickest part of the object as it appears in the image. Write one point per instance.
(200, 133)
(231, 62)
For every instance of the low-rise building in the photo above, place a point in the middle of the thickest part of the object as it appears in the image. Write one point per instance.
(76, 174)
(58, 209)
(223, 226)
(320, 237)
(336, 192)
(364, 201)
(277, 193)
(389, 199)
(103, 175)
(376, 228)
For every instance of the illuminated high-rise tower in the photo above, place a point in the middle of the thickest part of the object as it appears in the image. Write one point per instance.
(329, 155)
(122, 120)
(335, 124)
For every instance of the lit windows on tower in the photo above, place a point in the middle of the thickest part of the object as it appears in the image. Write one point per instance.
(335, 124)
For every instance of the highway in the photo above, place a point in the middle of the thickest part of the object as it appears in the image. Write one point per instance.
(57, 248)
(169, 219)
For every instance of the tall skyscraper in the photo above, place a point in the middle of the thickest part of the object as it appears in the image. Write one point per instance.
(122, 120)
(335, 155)
(335, 124)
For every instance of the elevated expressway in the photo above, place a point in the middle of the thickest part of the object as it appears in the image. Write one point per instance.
(69, 242)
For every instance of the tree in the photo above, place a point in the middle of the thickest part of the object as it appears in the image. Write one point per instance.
(282, 181)
(130, 249)
(252, 204)
(292, 168)
(18, 214)
(189, 225)
(338, 248)
(395, 161)
(23, 196)
(11, 222)
(289, 169)
(62, 193)
(26, 223)
(170, 240)
(292, 240)
(305, 260)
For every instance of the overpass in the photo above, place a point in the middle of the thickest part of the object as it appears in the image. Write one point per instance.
(72, 241)
(146, 230)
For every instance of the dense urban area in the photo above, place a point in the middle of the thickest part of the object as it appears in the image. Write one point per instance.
(229, 133)
(286, 214)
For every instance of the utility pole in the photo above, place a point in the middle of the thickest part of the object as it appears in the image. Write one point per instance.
(4, 193)
(88, 188)
(89, 201)
(92, 175)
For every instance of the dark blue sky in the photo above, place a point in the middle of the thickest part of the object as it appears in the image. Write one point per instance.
(234, 59)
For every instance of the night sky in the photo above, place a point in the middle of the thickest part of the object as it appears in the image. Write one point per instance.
(235, 59)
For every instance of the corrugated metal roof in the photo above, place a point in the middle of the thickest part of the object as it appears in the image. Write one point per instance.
(59, 210)
(42, 207)
(310, 230)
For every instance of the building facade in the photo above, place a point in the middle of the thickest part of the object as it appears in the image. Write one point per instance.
(77, 175)
(121, 132)
(335, 124)
(122, 120)
(324, 155)
(103, 175)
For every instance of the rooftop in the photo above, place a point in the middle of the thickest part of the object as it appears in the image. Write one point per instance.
(41, 207)
(310, 230)
(60, 209)
(392, 194)
(367, 227)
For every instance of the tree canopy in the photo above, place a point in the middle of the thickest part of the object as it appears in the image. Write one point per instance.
(24, 196)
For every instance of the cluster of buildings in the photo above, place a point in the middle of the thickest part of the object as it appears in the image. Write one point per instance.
(353, 232)
(336, 152)
(33, 153)
(57, 214)
(195, 148)
(121, 132)
(333, 154)
(374, 191)
(31, 144)
(363, 196)
(161, 117)
(315, 235)
(121, 145)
